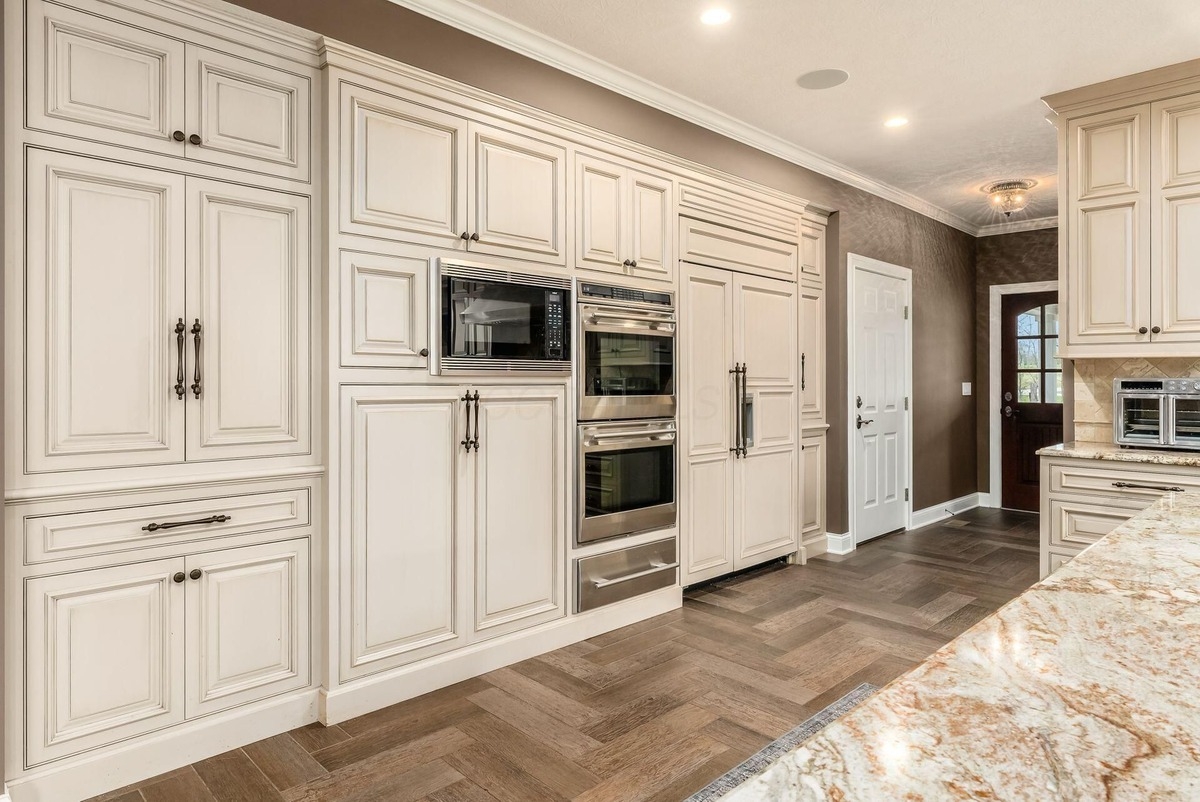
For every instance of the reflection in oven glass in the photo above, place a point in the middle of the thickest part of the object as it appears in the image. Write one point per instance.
(1187, 421)
(1141, 419)
(628, 364)
(632, 479)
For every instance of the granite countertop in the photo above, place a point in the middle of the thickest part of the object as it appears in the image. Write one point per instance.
(1084, 687)
(1108, 451)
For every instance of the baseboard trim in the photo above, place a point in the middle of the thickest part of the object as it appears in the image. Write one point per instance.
(388, 688)
(115, 767)
(839, 544)
(940, 512)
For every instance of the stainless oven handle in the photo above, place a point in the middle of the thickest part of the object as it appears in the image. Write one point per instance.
(631, 433)
(638, 315)
(655, 567)
(658, 440)
(652, 327)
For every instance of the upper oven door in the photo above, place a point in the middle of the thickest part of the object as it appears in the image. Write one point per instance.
(626, 478)
(1140, 419)
(493, 320)
(627, 363)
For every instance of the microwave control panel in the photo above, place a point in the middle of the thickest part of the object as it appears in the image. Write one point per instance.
(554, 324)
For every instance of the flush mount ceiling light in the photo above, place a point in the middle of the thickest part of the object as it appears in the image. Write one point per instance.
(896, 122)
(1010, 195)
(822, 79)
(715, 16)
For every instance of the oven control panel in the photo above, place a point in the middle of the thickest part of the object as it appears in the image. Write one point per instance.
(607, 292)
(1182, 386)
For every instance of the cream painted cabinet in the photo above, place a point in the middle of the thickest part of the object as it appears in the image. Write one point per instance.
(103, 80)
(416, 174)
(167, 318)
(742, 474)
(104, 656)
(1132, 257)
(104, 289)
(384, 308)
(624, 219)
(813, 482)
(454, 505)
(812, 355)
(116, 652)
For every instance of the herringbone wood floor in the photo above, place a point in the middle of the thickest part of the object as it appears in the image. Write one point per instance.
(656, 710)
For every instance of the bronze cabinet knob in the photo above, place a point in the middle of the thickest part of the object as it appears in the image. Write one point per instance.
(178, 577)
(196, 573)
(195, 139)
(178, 136)
(424, 352)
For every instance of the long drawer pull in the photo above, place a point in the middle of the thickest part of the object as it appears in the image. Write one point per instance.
(1163, 488)
(653, 569)
(212, 519)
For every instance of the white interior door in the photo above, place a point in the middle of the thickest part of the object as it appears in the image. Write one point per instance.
(879, 421)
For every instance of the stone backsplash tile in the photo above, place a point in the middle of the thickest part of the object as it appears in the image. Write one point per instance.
(1094, 388)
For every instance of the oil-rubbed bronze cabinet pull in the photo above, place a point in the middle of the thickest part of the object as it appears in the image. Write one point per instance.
(179, 577)
(466, 441)
(196, 373)
(802, 373)
(475, 398)
(195, 139)
(178, 136)
(212, 519)
(180, 390)
(196, 573)
(1136, 486)
(474, 236)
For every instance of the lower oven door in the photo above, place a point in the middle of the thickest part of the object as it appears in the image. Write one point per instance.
(1140, 419)
(626, 478)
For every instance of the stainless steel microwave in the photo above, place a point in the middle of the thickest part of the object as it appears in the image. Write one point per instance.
(1157, 413)
(483, 319)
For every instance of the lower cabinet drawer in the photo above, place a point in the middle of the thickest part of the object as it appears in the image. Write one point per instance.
(1143, 483)
(1053, 560)
(619, 575)
(110, 531)
(1078, 524)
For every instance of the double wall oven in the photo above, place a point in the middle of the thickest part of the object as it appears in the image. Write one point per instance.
(627, 439)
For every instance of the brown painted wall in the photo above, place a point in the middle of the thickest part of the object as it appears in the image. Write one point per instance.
(1004, 259)
(941, 258)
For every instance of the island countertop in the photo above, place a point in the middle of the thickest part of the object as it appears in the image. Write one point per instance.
(1084, 687)
(1114, 453)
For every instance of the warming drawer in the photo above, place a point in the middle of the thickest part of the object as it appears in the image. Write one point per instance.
(624, 574)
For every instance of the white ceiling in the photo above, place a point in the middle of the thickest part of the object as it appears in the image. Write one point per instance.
(967, 73)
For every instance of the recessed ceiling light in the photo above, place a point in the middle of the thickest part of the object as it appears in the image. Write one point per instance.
(822, 79)
(715, 16)
(897, 122)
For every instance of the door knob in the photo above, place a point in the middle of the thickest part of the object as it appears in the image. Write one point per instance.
(1009, 412)
(195, 139)
(861, 423)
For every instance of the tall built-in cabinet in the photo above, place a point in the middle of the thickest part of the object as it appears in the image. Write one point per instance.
(1129, 156)
(236, 499)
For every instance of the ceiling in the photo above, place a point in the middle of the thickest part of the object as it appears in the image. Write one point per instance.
(967, 73)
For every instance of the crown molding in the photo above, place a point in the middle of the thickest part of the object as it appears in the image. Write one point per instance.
(1021, 225)
(527, 42)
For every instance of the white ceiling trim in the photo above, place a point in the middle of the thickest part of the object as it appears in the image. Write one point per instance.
(527, 42)
(1020, 225)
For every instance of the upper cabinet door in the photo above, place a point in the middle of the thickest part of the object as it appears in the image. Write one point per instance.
(98, 79)
(247, 115)
(812, 355)
(651, 226)
(765, 335)
(384, 310)
(812, 251)
(1108, 247)
(248, 292)
(403, 170)
(519, 507)
(104, 290)
(519, 187)
(248, 625)
(600, 241)
(1176, 222)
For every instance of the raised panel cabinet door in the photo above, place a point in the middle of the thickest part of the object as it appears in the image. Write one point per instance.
(651, 228)
(101, 80)
(707, 403)
(1176, 131)
(403, 563)
(248, 115)
(518, 202)
(1108, 154)
(384, 310)
(520, 483)
(249, 322)
(104, 657)
(601, 236)
(766, 520)
(812, 355)
(812, 250)
(765, 332)
(1109, 273)
(104, 292)
(1175, 311)
(247, 625)
(403, 170)
(812, 504)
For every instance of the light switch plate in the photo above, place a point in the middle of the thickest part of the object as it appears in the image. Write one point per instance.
(966, 388)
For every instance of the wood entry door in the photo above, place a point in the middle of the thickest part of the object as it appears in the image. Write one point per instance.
(1031, 393)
